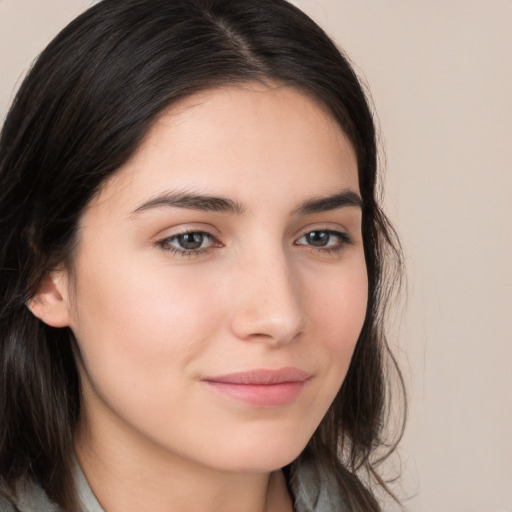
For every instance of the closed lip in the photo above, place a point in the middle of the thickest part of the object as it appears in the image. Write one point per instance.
(263, 388)
(262, 377)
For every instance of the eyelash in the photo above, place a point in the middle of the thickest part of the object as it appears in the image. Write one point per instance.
(343, 240)
(165, 244)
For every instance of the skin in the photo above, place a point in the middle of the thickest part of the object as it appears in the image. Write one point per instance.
(152, 321)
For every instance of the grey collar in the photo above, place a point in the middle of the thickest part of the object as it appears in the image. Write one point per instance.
(314, 491)
(86, 498)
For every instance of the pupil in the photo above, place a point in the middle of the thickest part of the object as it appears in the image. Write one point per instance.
(318, 238)
(191, 240)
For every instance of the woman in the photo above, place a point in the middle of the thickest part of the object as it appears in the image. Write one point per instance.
(191, 267)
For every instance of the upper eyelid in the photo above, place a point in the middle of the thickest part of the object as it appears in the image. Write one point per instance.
(189, 231)
(209, 235)
(330, 227)
(216, 235)
(170, 232)
(212, 232)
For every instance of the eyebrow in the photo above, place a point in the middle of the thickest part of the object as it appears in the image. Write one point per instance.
(206, 203)
(323, 204)
(192, 201)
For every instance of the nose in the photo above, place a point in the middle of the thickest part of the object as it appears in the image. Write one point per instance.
(267, 300)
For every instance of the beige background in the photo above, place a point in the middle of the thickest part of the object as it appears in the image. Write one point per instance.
(440, 73)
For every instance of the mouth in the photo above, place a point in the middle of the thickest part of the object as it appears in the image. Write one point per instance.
(261, 387)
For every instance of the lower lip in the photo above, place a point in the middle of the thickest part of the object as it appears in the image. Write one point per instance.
(273, 395)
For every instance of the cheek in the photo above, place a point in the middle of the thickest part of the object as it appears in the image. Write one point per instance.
(140, 336)
(339, 310)
(135, 323)
(339, 305)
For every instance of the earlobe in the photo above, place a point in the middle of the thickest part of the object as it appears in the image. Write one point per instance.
(50, 303)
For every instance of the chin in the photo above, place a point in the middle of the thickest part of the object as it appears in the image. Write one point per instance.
(262, 457)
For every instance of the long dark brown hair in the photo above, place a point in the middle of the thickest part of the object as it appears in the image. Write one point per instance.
(82, 111)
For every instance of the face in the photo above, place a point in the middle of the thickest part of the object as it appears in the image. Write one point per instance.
(219, 282)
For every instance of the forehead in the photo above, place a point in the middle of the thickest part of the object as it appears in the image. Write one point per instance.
(221, 139)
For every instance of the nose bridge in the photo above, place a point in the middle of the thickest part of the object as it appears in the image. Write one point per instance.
(268, 301)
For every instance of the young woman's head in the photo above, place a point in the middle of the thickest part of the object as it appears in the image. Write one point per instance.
(192, 250)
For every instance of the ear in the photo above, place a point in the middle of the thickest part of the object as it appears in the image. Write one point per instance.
(50, 302)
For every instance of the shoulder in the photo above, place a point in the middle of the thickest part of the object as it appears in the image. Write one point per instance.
(6, 504)
(29, 498)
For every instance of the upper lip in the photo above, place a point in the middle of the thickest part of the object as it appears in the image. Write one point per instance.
(262, 377)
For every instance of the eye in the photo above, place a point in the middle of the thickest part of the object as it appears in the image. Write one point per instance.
(325, 239)
(188, 243)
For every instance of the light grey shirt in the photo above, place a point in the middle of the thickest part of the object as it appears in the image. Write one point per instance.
(313, 490)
